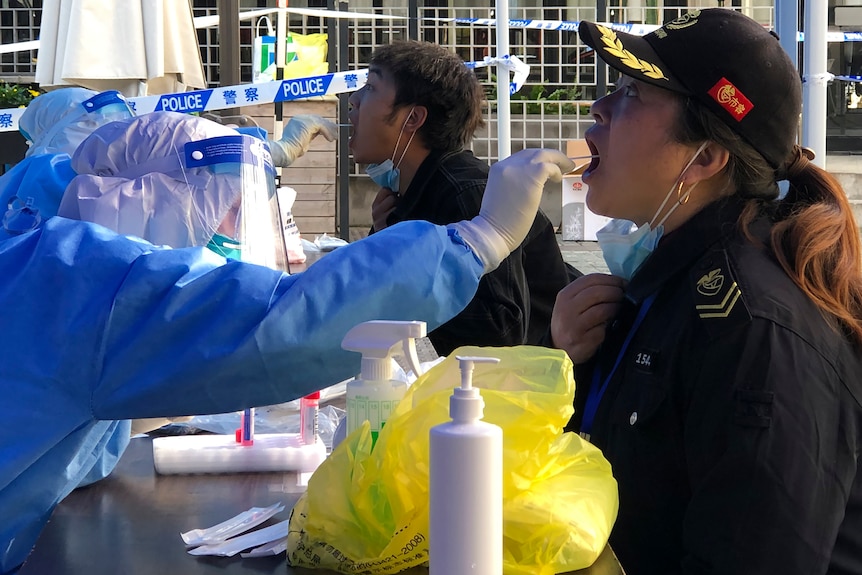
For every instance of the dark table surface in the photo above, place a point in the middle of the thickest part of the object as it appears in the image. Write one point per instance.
(130, 523)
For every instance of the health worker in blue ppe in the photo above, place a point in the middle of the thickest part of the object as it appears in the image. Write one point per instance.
(103, 328)
(53, 125)
(131, 195)
(160, 194)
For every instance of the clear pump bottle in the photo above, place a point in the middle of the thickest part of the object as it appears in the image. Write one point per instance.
(466, 485)
(374, 395)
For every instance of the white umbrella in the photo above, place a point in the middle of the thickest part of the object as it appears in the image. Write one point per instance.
(138, 47)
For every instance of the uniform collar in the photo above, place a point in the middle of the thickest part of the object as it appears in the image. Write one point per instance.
(680, 249)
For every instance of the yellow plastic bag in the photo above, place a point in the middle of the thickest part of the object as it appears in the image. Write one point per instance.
(305, 55)
(367, 511)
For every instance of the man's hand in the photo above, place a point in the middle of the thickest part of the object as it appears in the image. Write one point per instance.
(383, 204)
(582, 312)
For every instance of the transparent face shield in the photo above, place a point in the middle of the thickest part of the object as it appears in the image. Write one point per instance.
(73, 128)
(249, 228)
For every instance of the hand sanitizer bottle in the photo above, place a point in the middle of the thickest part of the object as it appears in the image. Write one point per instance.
(374, 395)
(466, 485)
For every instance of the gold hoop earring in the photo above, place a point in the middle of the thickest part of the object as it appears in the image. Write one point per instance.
(679, 198)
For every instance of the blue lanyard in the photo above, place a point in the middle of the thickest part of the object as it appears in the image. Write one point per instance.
(598, 391)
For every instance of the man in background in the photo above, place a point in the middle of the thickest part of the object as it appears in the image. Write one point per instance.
(412, 123)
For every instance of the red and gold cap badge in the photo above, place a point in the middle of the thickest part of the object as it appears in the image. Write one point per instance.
(731, 99)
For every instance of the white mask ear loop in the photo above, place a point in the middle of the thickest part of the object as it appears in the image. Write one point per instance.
(670, 192)
(407, 119)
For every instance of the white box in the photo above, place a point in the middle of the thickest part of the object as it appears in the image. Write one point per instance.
(579, 223)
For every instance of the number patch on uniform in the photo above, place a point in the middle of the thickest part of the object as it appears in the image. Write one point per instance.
(646, 360)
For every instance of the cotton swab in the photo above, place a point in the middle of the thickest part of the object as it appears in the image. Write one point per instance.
(579, 168)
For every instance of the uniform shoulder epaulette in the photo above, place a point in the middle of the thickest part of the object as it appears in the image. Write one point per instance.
(718, 298)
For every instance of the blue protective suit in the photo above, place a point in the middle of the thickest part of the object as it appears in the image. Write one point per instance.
(55, 124)
(43, 178)
(101, 328)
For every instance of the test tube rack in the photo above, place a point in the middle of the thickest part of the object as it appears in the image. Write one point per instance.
(201, 454)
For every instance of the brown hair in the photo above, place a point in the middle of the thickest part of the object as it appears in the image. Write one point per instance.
(814, 238)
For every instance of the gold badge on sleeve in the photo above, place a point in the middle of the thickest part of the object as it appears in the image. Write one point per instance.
(717, 295)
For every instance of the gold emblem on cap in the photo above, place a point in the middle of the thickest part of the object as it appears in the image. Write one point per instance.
(684, 21)
(614, 47)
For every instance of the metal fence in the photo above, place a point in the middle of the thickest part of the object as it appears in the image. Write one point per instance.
(552, 107)
(19, 22)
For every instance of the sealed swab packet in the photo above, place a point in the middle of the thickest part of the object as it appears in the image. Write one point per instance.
(234, 526)
(233, 546)
(268, 549)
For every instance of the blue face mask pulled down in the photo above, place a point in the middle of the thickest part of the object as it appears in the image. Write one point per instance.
(387, 174)
(625, 250)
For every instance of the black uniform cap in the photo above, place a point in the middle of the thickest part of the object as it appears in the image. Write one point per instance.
(724, 60)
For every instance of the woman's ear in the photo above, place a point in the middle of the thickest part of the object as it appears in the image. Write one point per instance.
(711, 160)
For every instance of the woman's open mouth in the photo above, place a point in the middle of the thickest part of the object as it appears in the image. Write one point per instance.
(594, 160)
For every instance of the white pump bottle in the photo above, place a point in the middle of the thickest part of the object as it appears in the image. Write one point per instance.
(374, 395)
(466, 485)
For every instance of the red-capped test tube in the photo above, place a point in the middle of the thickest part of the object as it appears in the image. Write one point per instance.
(308, 410)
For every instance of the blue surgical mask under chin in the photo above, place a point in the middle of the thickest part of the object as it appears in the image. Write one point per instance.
(225, 247)
(385, 175)
(625, 250)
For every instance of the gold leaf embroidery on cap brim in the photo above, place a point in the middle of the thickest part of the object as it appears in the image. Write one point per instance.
(615, 47)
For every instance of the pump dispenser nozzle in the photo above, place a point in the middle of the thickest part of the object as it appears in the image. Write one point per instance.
(466, 403)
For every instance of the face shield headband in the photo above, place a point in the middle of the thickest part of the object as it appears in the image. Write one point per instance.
(68, 133)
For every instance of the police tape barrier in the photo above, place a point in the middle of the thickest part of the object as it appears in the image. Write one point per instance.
(513, 64)
(9, 119)
(251, 94)
(269, 92)
(558, 25)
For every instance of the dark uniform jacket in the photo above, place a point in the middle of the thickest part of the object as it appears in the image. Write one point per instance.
(733, 420)
(513, 304)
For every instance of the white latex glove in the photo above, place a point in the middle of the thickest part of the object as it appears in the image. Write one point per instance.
(296, 137)
(510, 203)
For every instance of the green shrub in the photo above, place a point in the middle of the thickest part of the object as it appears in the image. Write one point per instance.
(537, 98)
(16, 95)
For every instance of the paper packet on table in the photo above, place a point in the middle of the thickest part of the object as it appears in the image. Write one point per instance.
(226, 539)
